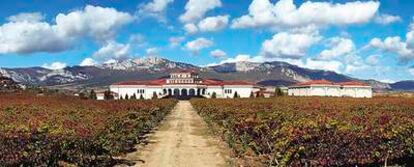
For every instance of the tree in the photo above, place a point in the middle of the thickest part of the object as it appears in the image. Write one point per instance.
(279, 92)
(126, 97)
(154, 96)
(133, 97)
(108, 95)
(236, 95)
(92, 95)
(259, 94)
(251, 95)
(141, 97)
(82, 96)
(214, 95)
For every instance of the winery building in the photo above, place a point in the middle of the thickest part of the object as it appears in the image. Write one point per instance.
(327, 88)
(183, 85)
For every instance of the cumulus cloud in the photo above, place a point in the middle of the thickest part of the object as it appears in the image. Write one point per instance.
(332, 65)
(98, 22)
(112, 50)
(386, 19)
(198, 44)
(338, 47)
(289, 45)
(190, 28)
(54, 66)
(30, 37)
(284, 13)
(176, 41)
(393, 45)
(88, 62)
(196, 9)
(209, 24)
(22, 36)
(155, 8)
(213, 23)
(218, 53)
(29, 17)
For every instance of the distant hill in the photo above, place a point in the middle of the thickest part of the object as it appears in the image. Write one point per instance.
(403, 86)
(267, 73)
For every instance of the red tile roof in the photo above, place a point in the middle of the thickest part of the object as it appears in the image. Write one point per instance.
(315, 82)
(151, 82)
(185, 71)
(352, 83)
(208, 82)
(326, 82)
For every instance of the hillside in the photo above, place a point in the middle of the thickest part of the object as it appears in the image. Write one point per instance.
(77, 77)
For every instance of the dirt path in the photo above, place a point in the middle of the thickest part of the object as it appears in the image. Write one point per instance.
(181, 141)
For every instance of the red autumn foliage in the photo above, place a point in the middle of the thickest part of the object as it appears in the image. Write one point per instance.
(315, 131)
(43, 131)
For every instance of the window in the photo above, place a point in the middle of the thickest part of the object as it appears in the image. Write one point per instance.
(140, 91)
(228, 91)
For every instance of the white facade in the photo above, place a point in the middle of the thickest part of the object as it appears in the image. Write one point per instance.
(182, 85)
(326, 88)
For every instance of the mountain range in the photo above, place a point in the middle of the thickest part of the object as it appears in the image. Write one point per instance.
(274, 73)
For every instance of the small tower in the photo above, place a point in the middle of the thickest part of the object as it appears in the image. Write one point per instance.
(184, 77)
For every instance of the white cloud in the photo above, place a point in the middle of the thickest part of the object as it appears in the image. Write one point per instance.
(137, 40)
(196, 9)
(152, 51)
(373, 59)
(393, 45)
(354, 63)
(213, 23)
(218, 53)
(289, 45)
(176, 41)
(410, 36)
(198, 44)
(411, 71)
(30, 37)
(98, 22)
(338, 47)
(284, 13)
(190, 28)
(155, 8)
(29, 17)
(208, 24)
(54, 65)
(323, 65)
(23, 37)
(386, 19)
(88, 62)
(112, 50)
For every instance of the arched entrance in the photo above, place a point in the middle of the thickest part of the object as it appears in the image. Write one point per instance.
(192, 93)
(176, 93)
(184, 94)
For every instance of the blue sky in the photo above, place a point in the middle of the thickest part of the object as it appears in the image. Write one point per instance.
(364, 39)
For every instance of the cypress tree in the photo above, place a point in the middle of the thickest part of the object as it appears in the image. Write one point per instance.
(214, 95)
(236, 95)
(154, 96)
(92, 95)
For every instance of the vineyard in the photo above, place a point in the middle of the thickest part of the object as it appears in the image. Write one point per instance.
(50, 130)
(314, 131)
